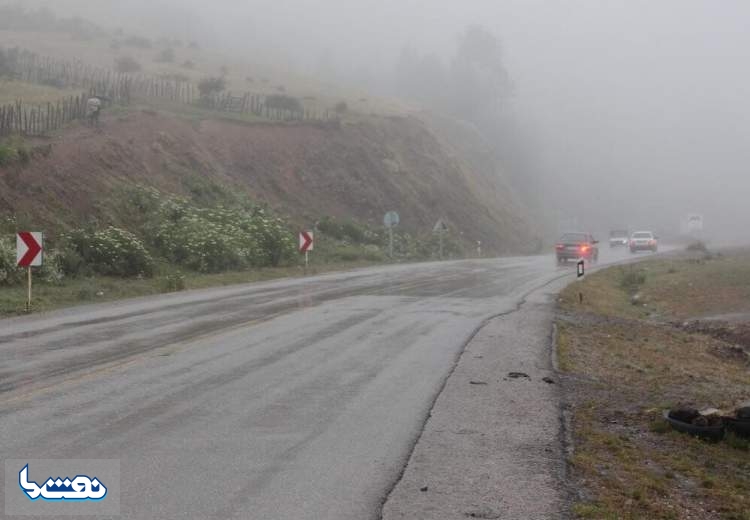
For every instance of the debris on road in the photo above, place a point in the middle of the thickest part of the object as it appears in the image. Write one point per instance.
(477, 382)
(548, 380)
(518, 375)
(484, 512)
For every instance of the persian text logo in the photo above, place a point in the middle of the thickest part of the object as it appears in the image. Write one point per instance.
(78, 489)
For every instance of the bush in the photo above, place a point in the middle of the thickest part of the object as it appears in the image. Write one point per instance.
(166, 56)
(127, 65)
(215, 239)
(631, 279)
(275, 242)
(24, 154)
(698, 246)
(188, 64)
(349, 231)
(8, 154)
(211, 85)
(71, 263)
(341, 107)
(112, 251)
(9, 273)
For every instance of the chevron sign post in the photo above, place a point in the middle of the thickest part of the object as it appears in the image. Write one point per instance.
(29, 253)
(306, 242)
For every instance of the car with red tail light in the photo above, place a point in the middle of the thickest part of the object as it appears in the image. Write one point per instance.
(576, 246)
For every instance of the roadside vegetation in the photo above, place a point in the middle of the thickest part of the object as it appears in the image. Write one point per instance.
(155, 242)
(632, 350)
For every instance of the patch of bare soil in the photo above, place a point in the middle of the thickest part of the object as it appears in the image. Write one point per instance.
(735, 335)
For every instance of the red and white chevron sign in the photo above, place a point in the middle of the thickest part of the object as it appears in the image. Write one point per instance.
(29, 249)
(305, 241)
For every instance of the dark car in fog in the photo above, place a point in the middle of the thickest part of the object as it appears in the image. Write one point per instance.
(574, 246)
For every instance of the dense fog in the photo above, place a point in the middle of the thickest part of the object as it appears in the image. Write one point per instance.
(627, 113)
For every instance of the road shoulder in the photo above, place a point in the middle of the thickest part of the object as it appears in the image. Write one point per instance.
(492, 446)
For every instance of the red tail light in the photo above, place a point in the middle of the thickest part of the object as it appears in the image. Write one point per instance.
(584, 248)
(559, 246)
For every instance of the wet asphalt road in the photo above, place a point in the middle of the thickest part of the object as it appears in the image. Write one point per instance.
(293, 399)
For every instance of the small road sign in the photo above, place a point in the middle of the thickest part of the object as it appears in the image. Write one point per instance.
(391, 219)
(580, 265)
(305, 241)
(440, 226)
(29, 249)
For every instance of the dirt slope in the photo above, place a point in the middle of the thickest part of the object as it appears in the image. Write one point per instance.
(358, 169)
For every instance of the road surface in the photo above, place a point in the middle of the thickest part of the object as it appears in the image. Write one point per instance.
(292, 399)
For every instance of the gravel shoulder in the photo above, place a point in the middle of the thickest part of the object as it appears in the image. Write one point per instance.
(492, 447)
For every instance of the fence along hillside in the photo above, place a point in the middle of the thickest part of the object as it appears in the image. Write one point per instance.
(118, 88)
(41, 120)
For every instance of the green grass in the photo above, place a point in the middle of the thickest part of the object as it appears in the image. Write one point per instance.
(678, 288)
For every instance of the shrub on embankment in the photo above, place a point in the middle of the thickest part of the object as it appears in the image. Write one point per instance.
(164, 232)
(151, 233)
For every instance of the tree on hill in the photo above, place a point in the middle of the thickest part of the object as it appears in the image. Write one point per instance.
(474, 82)
(480, 81)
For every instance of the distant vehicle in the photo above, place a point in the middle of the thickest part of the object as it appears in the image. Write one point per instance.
(694, 223)
(643, 241)
(618, 238)
(574, 246)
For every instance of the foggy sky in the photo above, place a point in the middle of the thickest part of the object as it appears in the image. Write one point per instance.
(637, 110)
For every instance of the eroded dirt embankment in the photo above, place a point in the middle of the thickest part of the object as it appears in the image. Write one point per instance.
(358, 169)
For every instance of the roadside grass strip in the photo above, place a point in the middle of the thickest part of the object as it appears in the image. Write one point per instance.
(626, 356)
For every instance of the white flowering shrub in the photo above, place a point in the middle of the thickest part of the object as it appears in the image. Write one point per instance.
(50, 271)
(112, 251)
(9, 273)
(219, 239)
